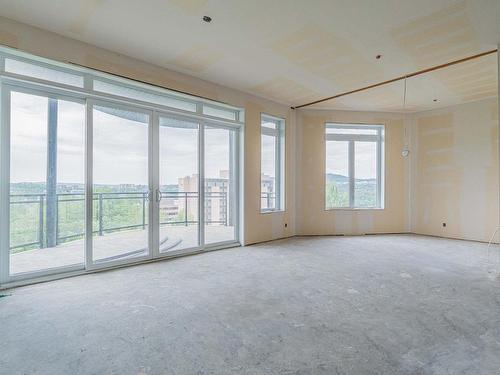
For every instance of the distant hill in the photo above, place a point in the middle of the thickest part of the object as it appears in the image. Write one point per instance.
(336, 178)
(332, 178)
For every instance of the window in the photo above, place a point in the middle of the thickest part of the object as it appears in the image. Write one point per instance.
(143, 95)
(99, 170)
(87, 82)
(40, 71)
(228, 114)
(272, 169)
(354, 166)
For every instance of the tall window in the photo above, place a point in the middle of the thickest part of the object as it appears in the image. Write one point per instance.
(272, 167)
(354, 166)
(98, 170)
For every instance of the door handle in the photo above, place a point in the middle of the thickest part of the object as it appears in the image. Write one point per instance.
(159, 195)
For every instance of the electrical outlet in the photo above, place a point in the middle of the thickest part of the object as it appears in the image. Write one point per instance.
(444, 225)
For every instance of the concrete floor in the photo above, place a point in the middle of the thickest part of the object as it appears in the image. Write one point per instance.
(397, 304)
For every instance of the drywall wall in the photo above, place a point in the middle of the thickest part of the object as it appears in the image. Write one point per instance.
(257, 227)
(451, 175)
(455, 171)
(311, 216)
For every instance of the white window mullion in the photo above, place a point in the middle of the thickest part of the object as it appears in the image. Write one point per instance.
(4, 184)
(88, 83)
(201, 184)
(88, 183)
(154, 187)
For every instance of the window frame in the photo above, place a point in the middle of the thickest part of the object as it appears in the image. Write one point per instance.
(10, 82)
(279, 134)
(379, 140)
(90, 76)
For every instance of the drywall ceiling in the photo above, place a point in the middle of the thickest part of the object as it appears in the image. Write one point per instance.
(295, 51)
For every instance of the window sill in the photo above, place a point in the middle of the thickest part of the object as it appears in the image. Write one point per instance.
(271, 211)
(355, 209)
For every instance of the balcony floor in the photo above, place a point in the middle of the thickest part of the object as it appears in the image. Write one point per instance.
(113, 246)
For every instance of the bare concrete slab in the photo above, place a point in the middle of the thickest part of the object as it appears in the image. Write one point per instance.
(348, 305)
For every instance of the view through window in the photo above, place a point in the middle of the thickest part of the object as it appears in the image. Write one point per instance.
(46, 182)
(272, 167)
(354, 166)
(102, 171)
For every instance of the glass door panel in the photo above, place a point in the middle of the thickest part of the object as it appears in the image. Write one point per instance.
(337, 192)
(220, 187)
(120, 184)
(268, 177)
(365, 174)
(47, 210)
(179, 184)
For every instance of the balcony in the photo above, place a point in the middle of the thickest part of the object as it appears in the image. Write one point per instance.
(120, 221)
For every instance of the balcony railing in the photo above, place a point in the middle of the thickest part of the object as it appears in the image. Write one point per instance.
(267, 200)
(133, 215)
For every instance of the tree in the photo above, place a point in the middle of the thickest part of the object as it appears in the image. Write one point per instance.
(335, 197)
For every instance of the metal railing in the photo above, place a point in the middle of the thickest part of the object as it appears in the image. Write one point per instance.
(100, 216)
(268, 200)
(209, 196)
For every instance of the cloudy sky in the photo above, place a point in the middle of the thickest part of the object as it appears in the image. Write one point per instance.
(365, 158)
(120, 145)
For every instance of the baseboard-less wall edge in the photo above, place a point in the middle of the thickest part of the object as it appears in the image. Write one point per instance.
(351, 235)
(66, 275)
(394, 233)
(455, 238)
(271, 240)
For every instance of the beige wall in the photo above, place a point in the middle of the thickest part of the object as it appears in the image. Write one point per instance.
(456, 171)
(257, 227)
(311, 216)
(451, 175)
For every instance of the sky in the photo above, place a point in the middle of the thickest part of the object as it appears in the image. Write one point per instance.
(29, 139)
(268, 165)
(365, 159)
(120, 145)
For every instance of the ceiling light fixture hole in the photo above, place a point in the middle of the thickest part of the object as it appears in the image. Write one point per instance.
(378, 57)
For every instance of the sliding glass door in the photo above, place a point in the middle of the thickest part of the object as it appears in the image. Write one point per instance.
(89, 184)
(196, 156)
(46, 149)
(220, 185)
(120, 183)
(179, 202)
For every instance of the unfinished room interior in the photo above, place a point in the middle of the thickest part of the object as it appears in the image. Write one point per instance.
(249, 187)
